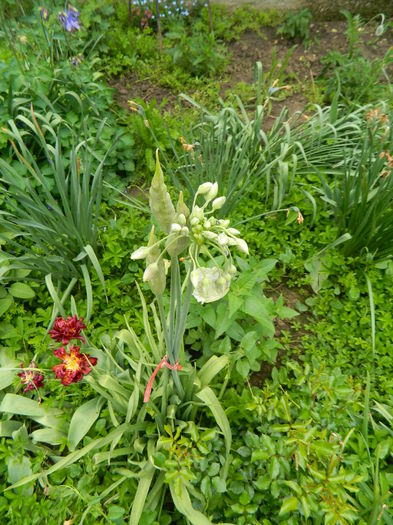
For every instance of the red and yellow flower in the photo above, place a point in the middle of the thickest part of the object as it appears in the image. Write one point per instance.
(30, 378)
(66, 329)
(74, 365)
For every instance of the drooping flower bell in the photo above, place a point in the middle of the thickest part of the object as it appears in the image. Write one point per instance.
(70, 19)
(33, 380)
(64, 330)
(199, 232)
(74, 365)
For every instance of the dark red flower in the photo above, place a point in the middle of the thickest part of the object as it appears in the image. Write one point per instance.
(66, 329)
(31, 379)
(74, 365)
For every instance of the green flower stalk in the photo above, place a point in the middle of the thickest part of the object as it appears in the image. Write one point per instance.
(204, 243)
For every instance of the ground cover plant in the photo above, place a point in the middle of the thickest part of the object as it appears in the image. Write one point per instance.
(195, 278)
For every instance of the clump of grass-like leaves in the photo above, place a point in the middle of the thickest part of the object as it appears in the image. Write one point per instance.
(51, 200)
(361, 195)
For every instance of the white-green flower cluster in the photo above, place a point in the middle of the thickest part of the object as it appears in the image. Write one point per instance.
(196, 234)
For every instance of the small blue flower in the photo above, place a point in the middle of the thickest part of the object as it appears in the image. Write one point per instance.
(70, 19)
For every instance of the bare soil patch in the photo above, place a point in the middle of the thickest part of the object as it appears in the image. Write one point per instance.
(304, 67)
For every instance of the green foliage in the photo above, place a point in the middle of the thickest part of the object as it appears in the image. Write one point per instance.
(51, 211)
(199, 53)
(313, 443)
(296, 25)
(230, 25)
(356, 77)
(362, 195)
(242, 325)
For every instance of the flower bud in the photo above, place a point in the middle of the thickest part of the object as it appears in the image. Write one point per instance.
(150, 272)
(198, 213)
(212, 193)
(185, 231)
(224, 223)
(181, 219)
(222, 239)
(218, 203)
(194, 221)
(181, 207)
(209, 235)
(140, 253)
(204, 188)
(160, 200)
(207, 225)
(232, 270)
(242, 245)
(233, 231)
(175, 228)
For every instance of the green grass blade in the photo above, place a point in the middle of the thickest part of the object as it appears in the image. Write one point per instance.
(141, 493)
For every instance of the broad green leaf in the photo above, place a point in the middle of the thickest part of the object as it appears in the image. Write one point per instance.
(18, 468)
(289, 504)
(260, 308)
(83, 419)
(6, 378)
(48, 435)
(8, 367)
(21, 291)
(243, 367)
(5, 303)
(8, 427)
(8, 331)
(23, 406)
(209, 398)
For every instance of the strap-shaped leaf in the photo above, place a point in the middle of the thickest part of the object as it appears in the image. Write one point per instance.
(211, 368)
(78, 454)
(210, 399)
(141, 493)
(182, 501)
(83, 419)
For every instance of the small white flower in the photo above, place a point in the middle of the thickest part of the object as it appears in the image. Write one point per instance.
(204, 188)
(175, 228)
(222, 239)
(140, 253)
(242, 245)
(150, 272)
(218, 203)
(212, 193)
(185, 231)
(209, 235)
(224, 223)
(233, 231)
(210, 284)
(181, 219)
(198, 213)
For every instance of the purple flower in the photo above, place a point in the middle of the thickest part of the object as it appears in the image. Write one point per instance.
(70, 19)
(44, 14)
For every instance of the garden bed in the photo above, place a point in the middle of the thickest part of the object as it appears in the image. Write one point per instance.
(195, 266)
